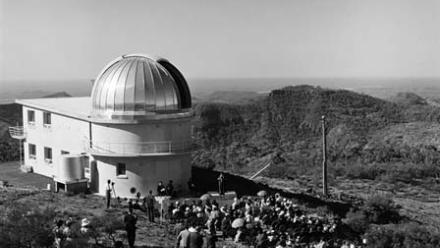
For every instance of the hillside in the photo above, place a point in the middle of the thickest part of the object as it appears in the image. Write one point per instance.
(57, 94)
(408, 98)
(231, 97)
(362, 131)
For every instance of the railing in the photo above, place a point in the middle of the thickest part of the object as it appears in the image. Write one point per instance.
(141, 148)
(17, 132)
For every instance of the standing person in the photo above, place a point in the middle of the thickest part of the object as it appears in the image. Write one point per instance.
(170, 188)
(191, 186)
(108, 192)
(161, 189)
(195, 239)
(221, 184)
(182, 238)
(210, 239)
(130, 205)
(130, 227)
(149, 201)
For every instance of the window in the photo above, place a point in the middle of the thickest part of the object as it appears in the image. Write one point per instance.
(32, 151)
(47, 120)
(120, 169)
(64, 152)
(31, 117)
(48, 155)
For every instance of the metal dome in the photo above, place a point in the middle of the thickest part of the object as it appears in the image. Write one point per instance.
(133, 86)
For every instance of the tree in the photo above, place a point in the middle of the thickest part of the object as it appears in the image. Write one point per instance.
(26, 225)
(106, 229)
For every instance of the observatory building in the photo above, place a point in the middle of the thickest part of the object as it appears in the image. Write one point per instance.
(134, 130)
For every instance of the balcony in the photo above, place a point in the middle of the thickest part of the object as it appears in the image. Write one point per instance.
(138, 149)
(17, 132)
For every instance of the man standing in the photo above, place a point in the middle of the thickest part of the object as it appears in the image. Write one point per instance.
(170, 188)
(210, 239)
(221, 186)
(182, 238)
(149, 201)
(108, 192)
(130, 227)
(191, 186)
(195, 239)
(161, 189)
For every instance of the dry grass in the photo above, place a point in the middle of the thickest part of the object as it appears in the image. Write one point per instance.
(419, 202)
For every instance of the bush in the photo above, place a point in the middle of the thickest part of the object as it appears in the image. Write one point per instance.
(376, 210)
(408, 235)
(106, 229)
(381, 210)
(357, 221)
(364, 171)
(25, 225)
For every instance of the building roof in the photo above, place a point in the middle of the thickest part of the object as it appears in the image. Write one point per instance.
(81, 108)
(135, 86)
(76, 107)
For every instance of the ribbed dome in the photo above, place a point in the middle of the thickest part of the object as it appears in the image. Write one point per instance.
(133, 86)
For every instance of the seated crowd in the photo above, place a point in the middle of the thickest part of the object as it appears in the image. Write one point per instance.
(271, 221)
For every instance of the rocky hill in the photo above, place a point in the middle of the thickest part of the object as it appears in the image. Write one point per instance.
(367, 137)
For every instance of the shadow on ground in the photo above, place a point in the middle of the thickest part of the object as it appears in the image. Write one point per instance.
(206, 180)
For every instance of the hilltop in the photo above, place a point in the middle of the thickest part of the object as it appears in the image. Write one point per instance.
(286, 124)
(231, 97)
(374, 145)
(408, 98)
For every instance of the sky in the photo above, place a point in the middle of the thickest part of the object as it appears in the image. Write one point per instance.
(75, 39)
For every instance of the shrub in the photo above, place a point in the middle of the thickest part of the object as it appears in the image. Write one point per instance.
(376, 210)
(26, 225)
(357, 221)
(381, 210)
(408, 235)
(105, 228)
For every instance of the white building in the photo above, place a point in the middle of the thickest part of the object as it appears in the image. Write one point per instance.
(134, 130)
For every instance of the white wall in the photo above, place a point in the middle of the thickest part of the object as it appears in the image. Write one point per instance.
(156, 131)
(64, 133)
(144, 173)
(123, 138)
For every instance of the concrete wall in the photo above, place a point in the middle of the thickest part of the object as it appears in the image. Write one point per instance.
(143, 173)
(64, 133)
(127, 138)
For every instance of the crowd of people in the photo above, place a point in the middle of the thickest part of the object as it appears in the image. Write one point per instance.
(271, 221)
(64, 234)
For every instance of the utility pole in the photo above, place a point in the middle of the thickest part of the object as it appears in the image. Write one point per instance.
(324, 158)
